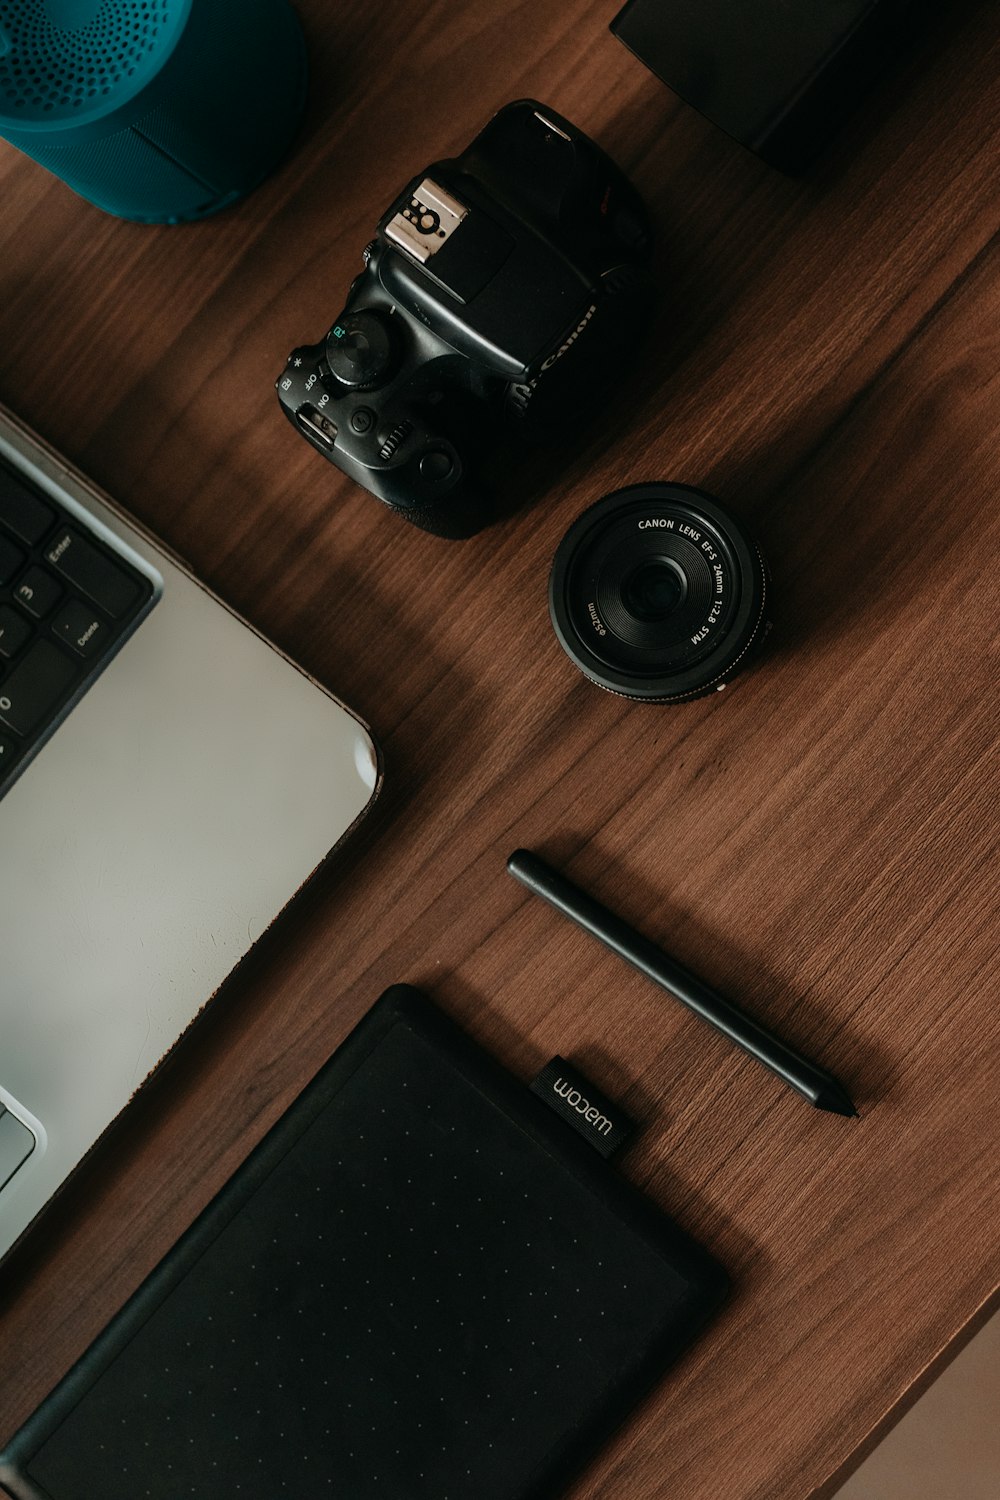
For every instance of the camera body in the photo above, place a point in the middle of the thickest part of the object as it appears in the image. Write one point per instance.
(505, 289)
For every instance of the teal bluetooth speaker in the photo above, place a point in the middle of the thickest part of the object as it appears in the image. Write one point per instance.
(156, 110)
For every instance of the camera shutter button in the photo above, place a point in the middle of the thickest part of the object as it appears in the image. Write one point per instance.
(359, 350)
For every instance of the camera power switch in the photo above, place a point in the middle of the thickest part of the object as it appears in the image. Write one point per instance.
(316, 425)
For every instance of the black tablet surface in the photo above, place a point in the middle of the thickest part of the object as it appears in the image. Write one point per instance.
(422, 1285)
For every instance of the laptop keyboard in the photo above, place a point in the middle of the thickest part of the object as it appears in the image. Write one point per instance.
(66, 602)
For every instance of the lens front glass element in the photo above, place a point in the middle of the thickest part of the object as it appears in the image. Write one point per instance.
(654, 589)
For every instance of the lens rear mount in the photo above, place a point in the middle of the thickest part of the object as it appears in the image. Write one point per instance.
(658, 593)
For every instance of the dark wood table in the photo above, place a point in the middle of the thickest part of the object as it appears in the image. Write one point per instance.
(818, 841)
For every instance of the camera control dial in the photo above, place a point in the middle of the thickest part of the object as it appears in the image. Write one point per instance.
(359, 350)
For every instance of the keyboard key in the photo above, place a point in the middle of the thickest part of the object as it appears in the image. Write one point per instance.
(78, 627)
(38, 592)
(11, 560)
(35, 686)
(14, 631)
(66, 600)
(22, 511)
(92, 572)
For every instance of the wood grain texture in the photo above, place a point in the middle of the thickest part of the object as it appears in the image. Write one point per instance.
(820, 841)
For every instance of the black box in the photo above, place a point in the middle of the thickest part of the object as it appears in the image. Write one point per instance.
(778, 75)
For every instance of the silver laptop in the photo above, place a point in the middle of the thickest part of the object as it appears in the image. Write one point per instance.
(168, 781)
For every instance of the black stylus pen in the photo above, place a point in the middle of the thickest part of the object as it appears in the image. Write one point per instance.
(812, 1082)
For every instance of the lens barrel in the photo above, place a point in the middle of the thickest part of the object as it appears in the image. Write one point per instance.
(658, 593)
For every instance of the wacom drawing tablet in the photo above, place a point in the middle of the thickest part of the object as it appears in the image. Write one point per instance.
(422, 1285)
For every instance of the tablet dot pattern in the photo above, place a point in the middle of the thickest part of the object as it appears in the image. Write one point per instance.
(421, 1304)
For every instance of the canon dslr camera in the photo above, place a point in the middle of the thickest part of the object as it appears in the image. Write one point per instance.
(505, 288)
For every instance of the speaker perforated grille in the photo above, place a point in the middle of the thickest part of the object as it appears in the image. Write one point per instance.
(65, 56)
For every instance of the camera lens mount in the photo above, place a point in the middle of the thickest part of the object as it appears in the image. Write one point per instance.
(658, 593)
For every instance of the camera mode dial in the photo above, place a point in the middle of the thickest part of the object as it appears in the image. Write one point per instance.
(359, 350)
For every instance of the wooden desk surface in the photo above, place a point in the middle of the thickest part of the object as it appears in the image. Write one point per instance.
(817, 841)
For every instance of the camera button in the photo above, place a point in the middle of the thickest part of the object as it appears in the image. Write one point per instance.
(363, 419)
(436, 465)
(359, 350)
